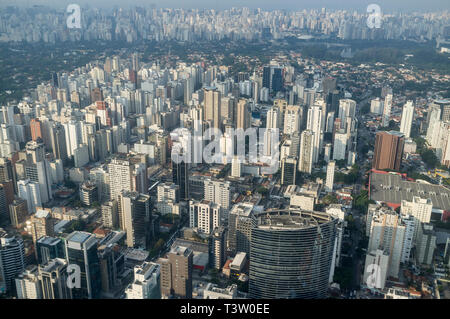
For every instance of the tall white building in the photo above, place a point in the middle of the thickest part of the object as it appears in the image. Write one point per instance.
(387, 110)
(407, 119)
(330, 176)
(204, 216)
(73, 131)
(28, 285)
(292, 119)
(236, 167)
(420, 209)
(347, 108)
(340, 145)
(314, 123)
(146, 284)
(30, 192)
(218, 192)
(387, 232)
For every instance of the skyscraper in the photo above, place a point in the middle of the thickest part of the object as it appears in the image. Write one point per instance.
(387, 110)
(211, 107)
(340, 145)
(204, 216)
(330, 176)
(242, 115)
(180, 177)
(126, 175)
(287, 259)
(306, 152)
(218, 192)
(135, 218)
(288, 170)
(407, 118)
(217, 248)
(315, 125)
(240, 222)
(81, 250)
(29, 191)
(53, 278)
(388, 151)
(176, 273)
(12, 260)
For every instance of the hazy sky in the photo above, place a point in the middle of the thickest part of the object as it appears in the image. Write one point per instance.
(359, 5)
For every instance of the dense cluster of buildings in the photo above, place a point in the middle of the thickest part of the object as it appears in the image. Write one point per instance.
(45, 24)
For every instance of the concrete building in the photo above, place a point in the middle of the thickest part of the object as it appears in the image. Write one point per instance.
(407, 119)
(388, 151)
(146, 284)
(28, 285)
(204, 216)
(330, 176)
(176, 273)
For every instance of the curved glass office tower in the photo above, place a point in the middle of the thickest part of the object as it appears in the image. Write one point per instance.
(291, 254)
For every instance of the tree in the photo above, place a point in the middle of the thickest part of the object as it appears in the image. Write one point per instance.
(330, 199)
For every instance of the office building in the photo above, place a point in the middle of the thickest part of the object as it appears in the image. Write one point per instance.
(53, 278)
(387, 110)
(314, 123)
(29, 191)
(288, 171)
(376, 269)
(287, 261)
(48, 248)
(81, 250)
(135, 218)
(243, 116)
(212, 106)
(180, 176)
(12, 260)
(42, 224)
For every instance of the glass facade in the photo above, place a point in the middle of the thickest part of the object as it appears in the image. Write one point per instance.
(291, 256)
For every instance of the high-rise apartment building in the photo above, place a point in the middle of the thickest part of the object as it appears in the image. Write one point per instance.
(330, 176)
(135, 218)
(204, 216)
(407, 119)
(176, 273)
(306, 152)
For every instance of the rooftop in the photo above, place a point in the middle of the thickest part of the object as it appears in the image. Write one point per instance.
(392, 188)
